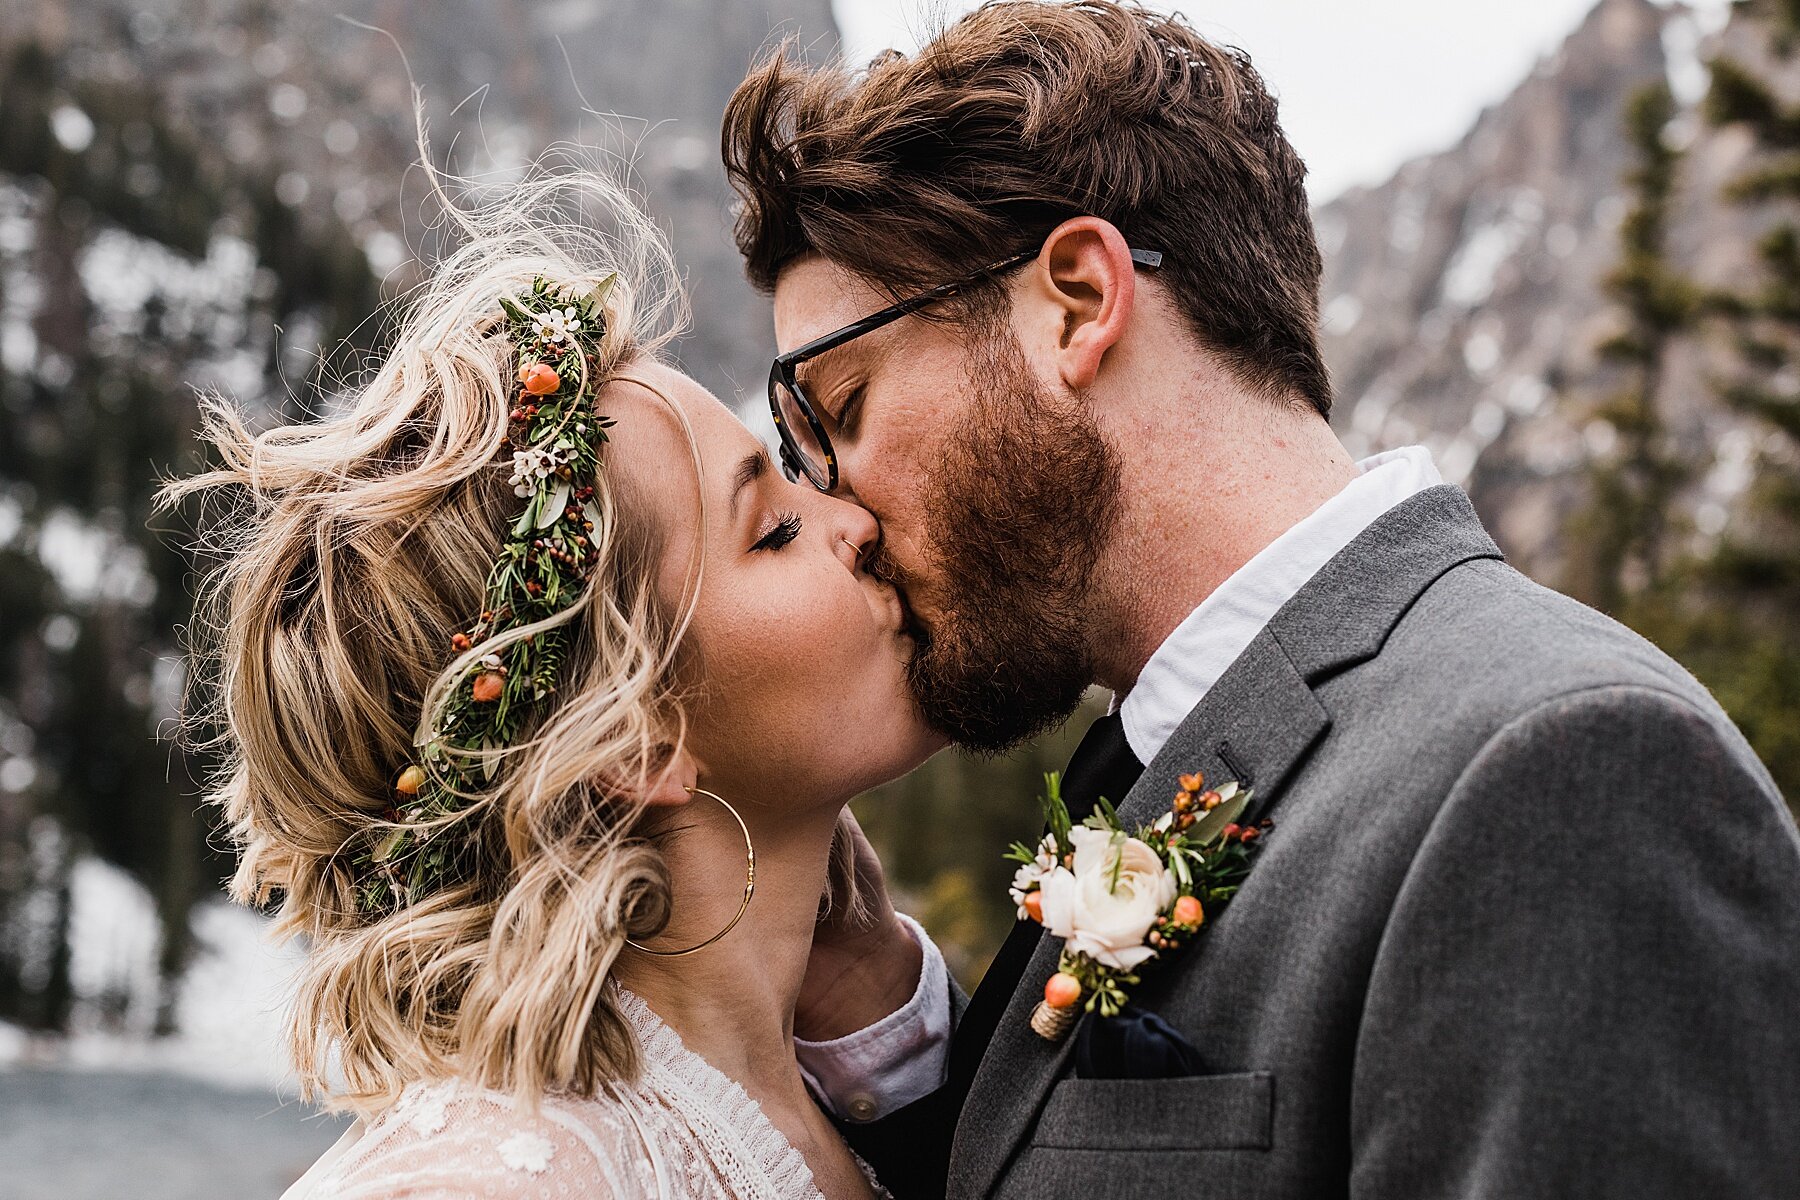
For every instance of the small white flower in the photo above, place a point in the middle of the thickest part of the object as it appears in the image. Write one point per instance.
(1031, 874)
(528, 1152)
(492, 662)
(557, 324)
(1105, 903)
(430, 1110)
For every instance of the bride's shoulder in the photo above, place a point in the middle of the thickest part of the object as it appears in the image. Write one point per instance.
(455, 1139)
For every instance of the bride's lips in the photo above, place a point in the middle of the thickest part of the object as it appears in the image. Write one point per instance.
(900, 614)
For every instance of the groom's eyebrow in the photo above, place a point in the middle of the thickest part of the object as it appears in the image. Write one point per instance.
(807, 373)
(750, 468)
(833, 361)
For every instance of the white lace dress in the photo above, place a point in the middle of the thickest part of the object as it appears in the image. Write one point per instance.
(684, 1132)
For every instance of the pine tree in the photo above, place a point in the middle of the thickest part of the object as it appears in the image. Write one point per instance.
(1624, 540)
(1747, 642)
(85, 437)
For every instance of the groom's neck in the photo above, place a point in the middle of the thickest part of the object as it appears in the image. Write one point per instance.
(1210, 474)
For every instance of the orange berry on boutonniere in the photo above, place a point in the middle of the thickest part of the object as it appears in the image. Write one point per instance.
(1192, 783)
(1034, 904)
(460, 641)
(410, 780)
(1211, 800)
(1062, 991)
(1188, 911)
(539, 379)
(488, 686)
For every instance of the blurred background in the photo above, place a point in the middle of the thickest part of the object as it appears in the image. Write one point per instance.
(1561, 251)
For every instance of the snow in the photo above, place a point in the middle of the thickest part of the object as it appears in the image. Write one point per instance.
(72, 128)
(208, 298)
(1406, 224)
(1481, 352)
(114, 940)
(90, 562)
(1341, 315)
(1470, 278)
(229, 1008)
(1688, 77)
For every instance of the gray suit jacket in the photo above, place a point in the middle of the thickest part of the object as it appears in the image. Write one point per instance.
(1528, 923)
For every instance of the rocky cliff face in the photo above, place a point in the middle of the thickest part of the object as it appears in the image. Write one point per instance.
(315, 98)
(1463, 298)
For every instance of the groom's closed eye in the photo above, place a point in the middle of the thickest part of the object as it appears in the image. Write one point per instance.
(843, 416)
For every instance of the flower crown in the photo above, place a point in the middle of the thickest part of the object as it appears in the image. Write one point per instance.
(555, 436)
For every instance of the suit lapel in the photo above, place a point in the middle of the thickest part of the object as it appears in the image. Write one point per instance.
(1262, 717)
(1256, 724)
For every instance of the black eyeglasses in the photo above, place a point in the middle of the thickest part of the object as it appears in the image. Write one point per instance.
(804, 447)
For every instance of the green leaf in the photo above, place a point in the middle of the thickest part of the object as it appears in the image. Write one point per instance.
(553, 510)
(1231, 807)
(385, 849)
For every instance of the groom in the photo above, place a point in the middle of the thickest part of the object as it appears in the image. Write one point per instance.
(1527, 923)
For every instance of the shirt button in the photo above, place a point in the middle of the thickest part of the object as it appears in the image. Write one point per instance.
(862, 1107)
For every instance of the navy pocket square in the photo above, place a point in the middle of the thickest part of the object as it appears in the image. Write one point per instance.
(1136, 1044)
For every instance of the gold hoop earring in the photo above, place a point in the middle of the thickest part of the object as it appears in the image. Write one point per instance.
(749, 883)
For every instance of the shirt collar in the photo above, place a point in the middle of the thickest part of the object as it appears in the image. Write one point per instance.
(1191, 659)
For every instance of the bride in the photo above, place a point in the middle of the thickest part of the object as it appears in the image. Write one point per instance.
(543, 693)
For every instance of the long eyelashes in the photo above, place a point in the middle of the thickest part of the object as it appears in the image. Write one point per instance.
(786, 530)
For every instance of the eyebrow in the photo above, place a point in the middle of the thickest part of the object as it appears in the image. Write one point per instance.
(750, 468)
(837, 359)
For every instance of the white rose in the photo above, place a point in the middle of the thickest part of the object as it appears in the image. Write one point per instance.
(1099, 915)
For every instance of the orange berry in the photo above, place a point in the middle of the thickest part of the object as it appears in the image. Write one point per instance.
(1192, 783)
(488, 686)
(1034, 904)
(539, 379)
(411, 780)
(1232, 830)
(1211, 801)
(1062, 991)
(1188, 911)
(1183, 801)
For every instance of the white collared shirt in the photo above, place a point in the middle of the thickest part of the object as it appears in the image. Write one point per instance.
(1190, 660)
(906, 1055)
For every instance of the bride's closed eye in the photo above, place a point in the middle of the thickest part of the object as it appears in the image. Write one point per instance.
(785, 530)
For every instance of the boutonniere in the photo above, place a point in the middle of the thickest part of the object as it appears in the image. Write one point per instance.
(1123, 899)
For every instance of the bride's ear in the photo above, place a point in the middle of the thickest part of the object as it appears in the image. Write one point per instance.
(664, 784)
(669, 786)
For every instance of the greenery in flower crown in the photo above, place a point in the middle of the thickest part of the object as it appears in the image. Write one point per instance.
(554, 436)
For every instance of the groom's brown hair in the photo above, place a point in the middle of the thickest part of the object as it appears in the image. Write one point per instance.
(1022, 115)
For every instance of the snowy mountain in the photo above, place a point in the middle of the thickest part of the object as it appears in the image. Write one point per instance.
(1462, 302)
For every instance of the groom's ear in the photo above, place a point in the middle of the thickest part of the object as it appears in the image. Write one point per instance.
(1086, 279)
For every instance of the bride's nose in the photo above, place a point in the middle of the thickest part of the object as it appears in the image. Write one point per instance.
(855, 531)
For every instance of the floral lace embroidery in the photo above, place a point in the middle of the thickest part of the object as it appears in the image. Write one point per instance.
(684, 1131)
(528, 1152)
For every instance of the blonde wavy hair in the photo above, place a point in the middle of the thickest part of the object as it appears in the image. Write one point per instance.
(350, 548)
